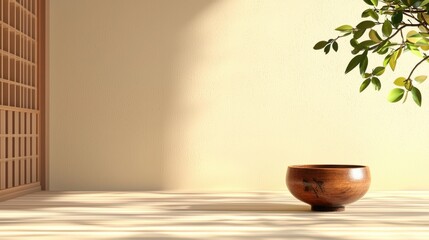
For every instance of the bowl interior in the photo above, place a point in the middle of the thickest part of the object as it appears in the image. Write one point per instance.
(327, 166)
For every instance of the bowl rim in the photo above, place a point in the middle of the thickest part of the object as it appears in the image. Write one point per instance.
(328, 166)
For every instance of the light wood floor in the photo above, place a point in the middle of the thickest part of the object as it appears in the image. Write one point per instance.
(174, 216)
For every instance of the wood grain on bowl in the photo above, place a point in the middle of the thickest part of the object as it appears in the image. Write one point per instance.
(328, 187)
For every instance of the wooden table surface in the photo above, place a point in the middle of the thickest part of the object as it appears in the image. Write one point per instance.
(174, 216)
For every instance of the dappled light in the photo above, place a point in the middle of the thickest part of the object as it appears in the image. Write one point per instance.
(174, 216)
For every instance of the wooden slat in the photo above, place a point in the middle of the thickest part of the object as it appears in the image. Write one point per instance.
(19, 109)
(9, 174)
(34, 167)
(2, 164)
(27, 161)
(21, 162)
(3, 122)
(17, 158)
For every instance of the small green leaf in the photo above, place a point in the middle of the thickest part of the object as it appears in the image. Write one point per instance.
(366, 75)
(369, 2)
(387, 28)
(365, 24)
(394, 58)
(395, 95)
(374, 15)
(421, 79)
(335, 46)
(357, 34)
(383, 51)
(320, 45)
(374, 2)
(365, 13)
(416, 3)
(364, 85)
(376, 82)
(353, 42)
(363, 65)
(415, 50)
(417, 96)
(327, 48)
(353, 63)
(366, 44)
(413, 36)
(400, 81)
(425, 2)
(344, 28)
(397, 19)
(373, 35)
(408, 84)
(387, 60)
(382, 44)
(370, 13)
(378, 71)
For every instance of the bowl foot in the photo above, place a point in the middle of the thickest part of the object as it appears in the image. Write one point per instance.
(327, 208)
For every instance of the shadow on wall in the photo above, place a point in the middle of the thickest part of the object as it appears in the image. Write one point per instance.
(113, 71)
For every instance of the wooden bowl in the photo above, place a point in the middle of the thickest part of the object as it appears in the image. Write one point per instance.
(328, 187)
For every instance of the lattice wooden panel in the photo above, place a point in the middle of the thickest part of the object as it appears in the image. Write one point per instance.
(19, 108)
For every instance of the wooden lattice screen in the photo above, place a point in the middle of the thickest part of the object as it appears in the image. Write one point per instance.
(19, 102)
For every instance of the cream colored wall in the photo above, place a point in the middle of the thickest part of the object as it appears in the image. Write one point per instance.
(217, 95)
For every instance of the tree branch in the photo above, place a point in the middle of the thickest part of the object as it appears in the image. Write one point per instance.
(421, 61)
(391, 36)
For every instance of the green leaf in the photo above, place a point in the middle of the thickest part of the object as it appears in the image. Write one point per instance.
(366, 75)
(376, 82)
(353, 42)
(408, 84)
(365, 24)
(394, 58)
(369, 2)
(382, 44)
(421, 79)
(387, 28)
(357, 34)
(397, 19)
(416, 3)
(413, 36)
(383, 51)
(374, 2)
(335, 46)
(320, 45)
(378, 71)
(400, 81)
(327, 48)
(363, 65)
(344, 28)
(370, 13)
(425, 2)
(365, 13)
(392, 62)
(373, 35)
(353, 63)
(417, 96)
(395, 95)
(387, 60)
(364, 85)
(415, 50)
(366, 44)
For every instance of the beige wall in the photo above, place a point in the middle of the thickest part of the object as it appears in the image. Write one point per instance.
(217, 95)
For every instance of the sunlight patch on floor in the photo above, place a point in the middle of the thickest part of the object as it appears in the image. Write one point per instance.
(178, 216)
